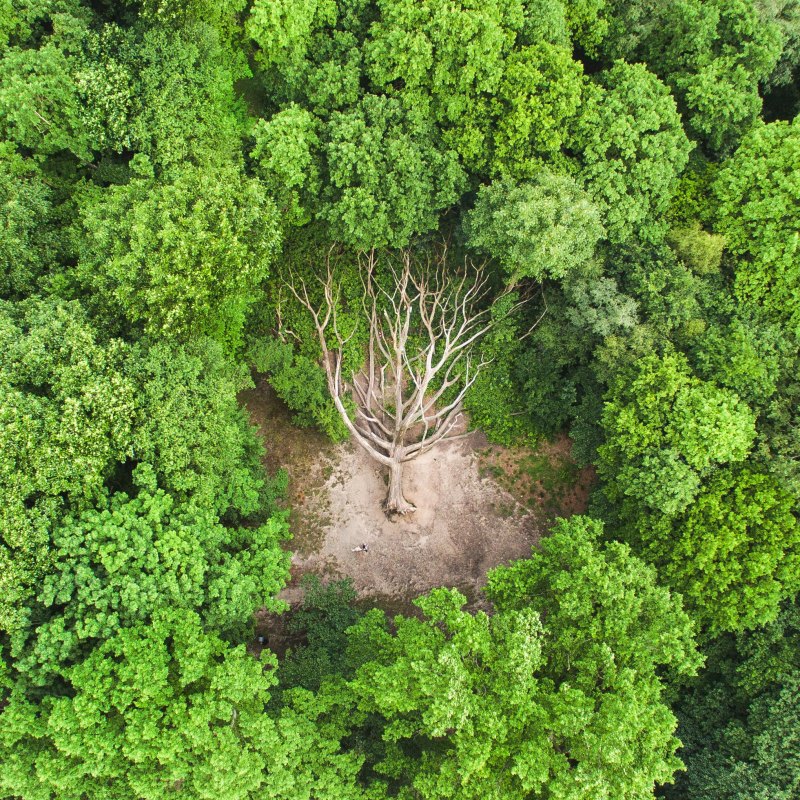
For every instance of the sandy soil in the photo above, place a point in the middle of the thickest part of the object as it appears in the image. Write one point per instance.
(463, 526)
(469, 518)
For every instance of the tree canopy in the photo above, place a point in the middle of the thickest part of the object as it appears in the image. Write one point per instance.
(569, 224)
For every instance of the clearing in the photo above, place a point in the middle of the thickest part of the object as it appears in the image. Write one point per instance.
(478, 505)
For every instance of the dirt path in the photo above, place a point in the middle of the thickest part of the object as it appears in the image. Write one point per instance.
(465, 523)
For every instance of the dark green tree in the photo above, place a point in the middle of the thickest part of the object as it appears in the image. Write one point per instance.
(630, 149)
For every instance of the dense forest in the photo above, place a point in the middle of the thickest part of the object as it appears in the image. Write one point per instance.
(557, 217)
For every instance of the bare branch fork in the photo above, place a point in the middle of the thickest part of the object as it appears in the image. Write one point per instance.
(420, 355)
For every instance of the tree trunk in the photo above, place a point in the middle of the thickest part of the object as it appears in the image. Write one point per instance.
(395, 502)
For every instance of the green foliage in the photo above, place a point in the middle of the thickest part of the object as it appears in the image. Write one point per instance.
(324, 616)
(539, 96)
(692, 201)
(758, 196)
(549, 708)
(184, 258)
(26, 240)
(713, 53)
(142, 207)
(666, 431)
(545, 21)
(66, 416)
(300, 382)
(185, 110)
(587, 23)
(734, 554)
(745, 354)
(449, 60)
(786, 15)
(667, 293)
(222, 14)
(282, 29)
(597, 599)
(698, 249)
(388, 176)
(547, 227)
(493, 401)
(631, 149)
(551, 368)
(80, 415)
(167, 708)
(285, 159)
(739, 722)
(185, 408)
(39, 102)
(114, 567)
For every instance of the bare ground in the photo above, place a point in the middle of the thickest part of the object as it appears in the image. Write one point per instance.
(477, 507)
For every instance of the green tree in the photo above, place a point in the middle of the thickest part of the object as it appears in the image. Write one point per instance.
(27, 241)
(447, 58)
(588, 24)
(758, 211)
(388, 177)
(539, 96)
(40, 106)
(183, 258)
(734, 554)
(190, 437)
(630, 149)
(739, 722)
(545, 228)
(114, 567)
(66, 418)
(286, 158)
(185, 109)
(666, 431)
(713, 53)
(524, 703)
(786, 15)
(161, 709)
(283, 30)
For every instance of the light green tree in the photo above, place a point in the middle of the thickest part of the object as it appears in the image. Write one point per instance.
(164, 709)
(547, 227)
(286, 158)
(554, 695)
(666, 431)
(115, 566)
(182, 258)
(758, 211)
(539, 97)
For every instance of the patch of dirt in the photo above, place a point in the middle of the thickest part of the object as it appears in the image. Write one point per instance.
(545, 479)
(307, 456)
(477, 506)
(463, 526)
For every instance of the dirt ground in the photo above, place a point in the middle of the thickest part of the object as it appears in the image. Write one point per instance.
(477, 506)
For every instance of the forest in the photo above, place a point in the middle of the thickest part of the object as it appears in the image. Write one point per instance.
(409, 219)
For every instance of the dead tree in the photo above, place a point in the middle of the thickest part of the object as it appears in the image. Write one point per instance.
(420, 357)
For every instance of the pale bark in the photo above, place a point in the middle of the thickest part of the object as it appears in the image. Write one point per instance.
(407, 397)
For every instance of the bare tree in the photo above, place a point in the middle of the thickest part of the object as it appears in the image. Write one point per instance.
(420, 356)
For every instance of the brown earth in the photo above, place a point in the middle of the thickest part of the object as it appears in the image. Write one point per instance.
(477, 506)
